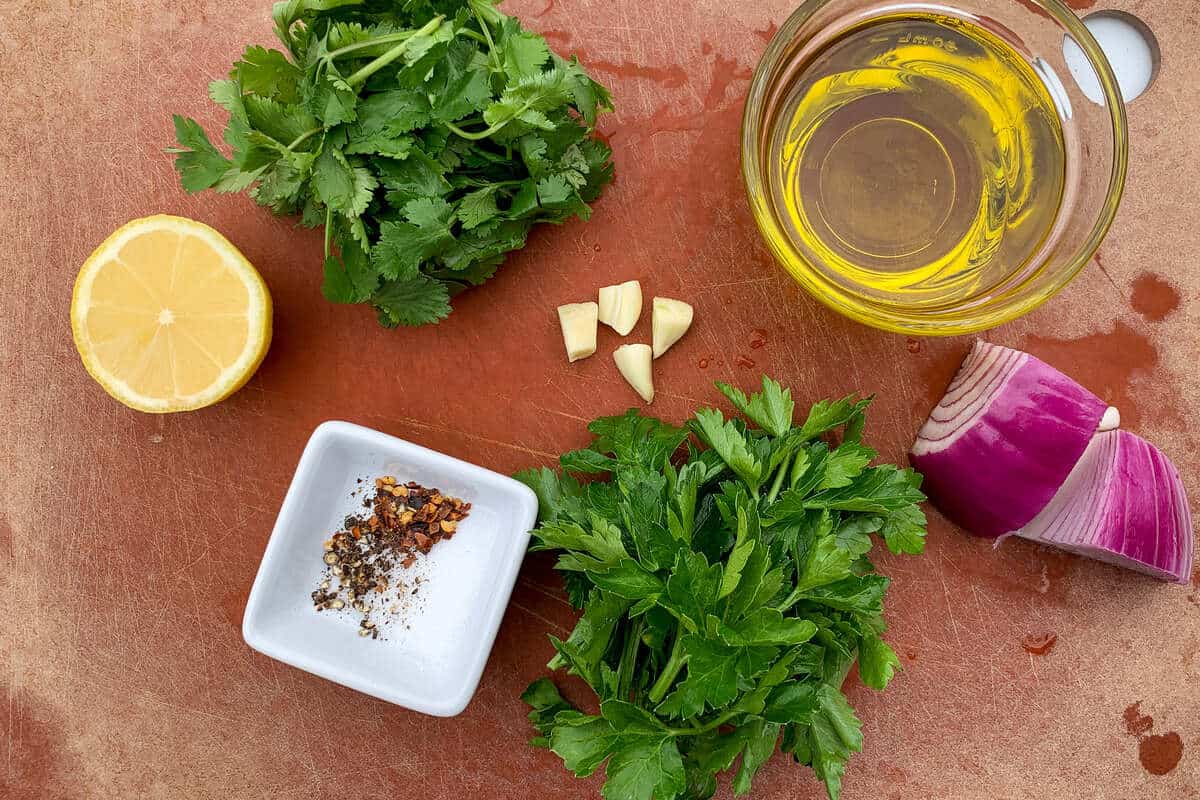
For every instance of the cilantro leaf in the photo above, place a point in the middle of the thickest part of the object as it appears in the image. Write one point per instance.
(349, 279)
(268, 73)
(446, 100)
(478, 207)
(524, 52)
(393, 112)
(403, 245)
(416, 301)
(340, 185)
(199, 163)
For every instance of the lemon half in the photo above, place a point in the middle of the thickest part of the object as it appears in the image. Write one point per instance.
(169, 316)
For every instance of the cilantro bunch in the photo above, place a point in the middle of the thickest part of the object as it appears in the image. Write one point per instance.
(726, 592)
(427, 136)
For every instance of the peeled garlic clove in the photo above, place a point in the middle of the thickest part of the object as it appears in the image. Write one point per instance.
(578, 321)
(621, 306)
(671, 319)
(633, 361)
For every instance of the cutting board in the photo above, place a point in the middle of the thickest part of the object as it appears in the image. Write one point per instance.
(128, 542)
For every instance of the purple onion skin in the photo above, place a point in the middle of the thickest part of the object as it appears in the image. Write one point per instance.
(1007, 466)
(1147, 520)
(1126, 505)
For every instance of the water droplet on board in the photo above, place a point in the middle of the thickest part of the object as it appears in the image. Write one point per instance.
(596, 247)
(1137, 723)
(758, 339)
(1160, 753)
(914, 345)
(744, 361)
(1039, 644)
(702, 363)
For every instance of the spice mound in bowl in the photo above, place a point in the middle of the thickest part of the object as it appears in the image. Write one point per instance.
(389, 568)
(365, 557)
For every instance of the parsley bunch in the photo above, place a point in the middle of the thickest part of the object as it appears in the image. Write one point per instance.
(427, 136)
(726, 592)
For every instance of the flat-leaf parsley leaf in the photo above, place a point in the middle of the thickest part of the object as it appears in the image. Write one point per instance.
(725, 592)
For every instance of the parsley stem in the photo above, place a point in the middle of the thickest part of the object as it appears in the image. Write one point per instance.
(360, 77)
(670, 671)
(778, 484)
(791, 600)
(633, 641)
(697, 730)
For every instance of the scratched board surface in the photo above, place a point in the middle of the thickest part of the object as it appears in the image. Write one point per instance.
(128, 542)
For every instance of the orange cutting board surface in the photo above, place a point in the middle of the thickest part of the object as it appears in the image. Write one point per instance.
(128, 542)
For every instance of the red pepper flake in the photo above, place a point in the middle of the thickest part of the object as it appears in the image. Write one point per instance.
(401, 522)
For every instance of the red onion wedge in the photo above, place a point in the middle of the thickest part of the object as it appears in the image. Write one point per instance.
(1004, 439)
(1124, 504)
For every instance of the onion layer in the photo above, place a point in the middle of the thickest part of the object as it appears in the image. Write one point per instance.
(1124, 503)
(1003, 439)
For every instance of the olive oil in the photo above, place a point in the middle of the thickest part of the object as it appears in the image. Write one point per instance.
(918, 159)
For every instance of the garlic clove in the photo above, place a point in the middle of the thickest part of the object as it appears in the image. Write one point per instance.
(621, 306)
(633, 361)
(671, 319)
(1110, 421)
(579, 323)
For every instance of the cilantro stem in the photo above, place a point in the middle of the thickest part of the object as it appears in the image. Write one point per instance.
(487, 35)
(476, 136)
(302, 138)
(328, 229)
(374, 42)
(360, 77)
(670, 671)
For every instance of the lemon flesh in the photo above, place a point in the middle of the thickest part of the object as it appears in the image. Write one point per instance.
(169, 316)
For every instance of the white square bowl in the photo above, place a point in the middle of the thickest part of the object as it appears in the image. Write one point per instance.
(432, 663)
